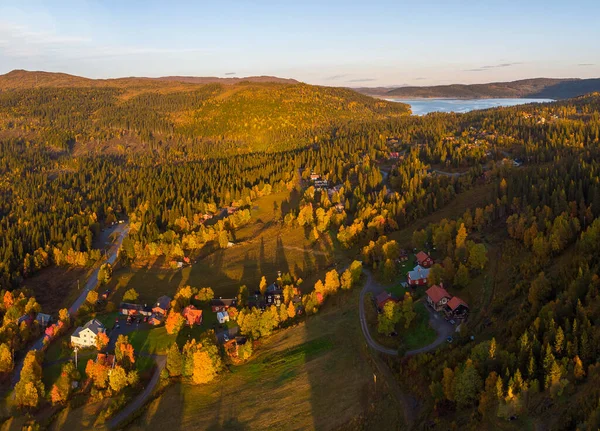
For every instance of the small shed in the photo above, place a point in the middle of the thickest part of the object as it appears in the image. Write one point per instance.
(222, 317)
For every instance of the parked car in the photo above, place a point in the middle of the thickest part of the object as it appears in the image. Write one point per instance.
(449, 339)
(225, 337)
(452, 322)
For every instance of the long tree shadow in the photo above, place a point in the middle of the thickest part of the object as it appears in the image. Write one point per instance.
(280, 260)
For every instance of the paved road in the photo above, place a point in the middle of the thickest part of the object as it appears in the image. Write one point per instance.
(91, 283)
(132, 407)
(443, 328)
(450, 174)
(111, 254)
(371, 286)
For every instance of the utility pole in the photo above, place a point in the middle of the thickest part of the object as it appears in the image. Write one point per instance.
(75, 349)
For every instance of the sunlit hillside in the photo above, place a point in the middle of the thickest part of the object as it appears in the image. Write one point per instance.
(69, 111)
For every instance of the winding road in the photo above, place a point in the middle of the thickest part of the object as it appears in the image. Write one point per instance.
(443, 328)
(91, 283)
(161, 362)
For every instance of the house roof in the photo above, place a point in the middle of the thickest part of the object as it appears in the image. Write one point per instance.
(273, 287)
(190, 310)
(421, 256)
(223, 302)
(455, 302)
(383, 297)
(93, 325)
(436, 293)
(128, 306)
(43, 316)
(163, 302)
(222, 314)
(418, 273)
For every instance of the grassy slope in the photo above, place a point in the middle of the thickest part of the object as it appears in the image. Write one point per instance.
(315, 375)
(311, 376)
(263, 247)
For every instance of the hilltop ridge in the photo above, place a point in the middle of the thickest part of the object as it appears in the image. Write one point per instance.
(20, 78)
(549, 88)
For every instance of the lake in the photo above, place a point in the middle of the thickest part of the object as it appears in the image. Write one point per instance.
(425, 106)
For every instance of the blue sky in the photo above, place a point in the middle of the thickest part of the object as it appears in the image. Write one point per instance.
(344, 43)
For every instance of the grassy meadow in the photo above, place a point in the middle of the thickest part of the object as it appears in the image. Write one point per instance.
(262, 247)
(310, 376)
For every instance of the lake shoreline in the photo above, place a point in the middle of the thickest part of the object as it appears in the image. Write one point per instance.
(424, 106)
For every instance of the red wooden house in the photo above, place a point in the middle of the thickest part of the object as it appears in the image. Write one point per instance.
(220, 304)
(456, 308)
(437, 297)
(383, 298)
(418, 276)
(424, 259)
(192, 315)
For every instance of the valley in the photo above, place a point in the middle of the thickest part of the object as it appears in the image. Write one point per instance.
(274, 255)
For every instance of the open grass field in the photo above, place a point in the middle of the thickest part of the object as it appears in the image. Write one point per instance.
(57, 287)
(263, 247)
(296, 379)
(419, 334)
(310, 376)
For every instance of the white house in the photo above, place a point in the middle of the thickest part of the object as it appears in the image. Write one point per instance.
(85, 336)
(223, 316)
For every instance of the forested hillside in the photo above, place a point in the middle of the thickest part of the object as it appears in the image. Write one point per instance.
(544, 88)
(74, 113)
(507, 199)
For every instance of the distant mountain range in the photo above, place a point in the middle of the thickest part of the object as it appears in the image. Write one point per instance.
(546, 88)
(27, 79)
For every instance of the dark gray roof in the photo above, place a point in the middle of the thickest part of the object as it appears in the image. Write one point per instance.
(221, 302)
(93, 325)
(163, 302)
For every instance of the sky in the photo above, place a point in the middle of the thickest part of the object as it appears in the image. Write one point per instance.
(327, 42)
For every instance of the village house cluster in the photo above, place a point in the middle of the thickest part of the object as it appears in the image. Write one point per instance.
(441, 301)
(438, 298)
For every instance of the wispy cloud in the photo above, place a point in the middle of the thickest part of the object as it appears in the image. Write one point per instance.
(492, 66)
(585, 64)
(18, 41)
(420, 79)
(335, 77)
(230, 73)
(362, 80)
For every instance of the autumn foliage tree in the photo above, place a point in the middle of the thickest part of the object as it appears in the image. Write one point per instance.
(30, 388)
(174, 322)
(98, 373)
(205, 294)
(6, 359)
(124, 352)
(131, 295)
(61, 390)
(101, 341)
(174, 361)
